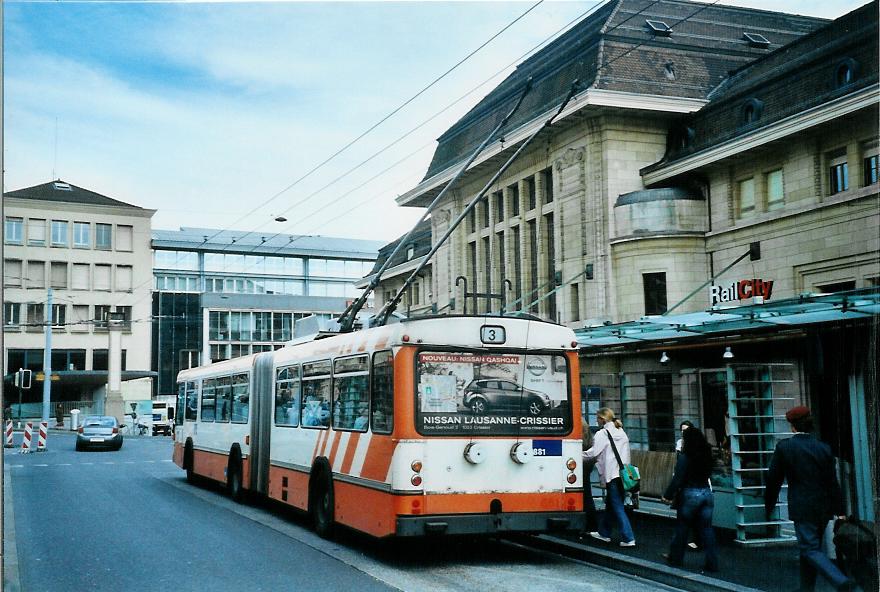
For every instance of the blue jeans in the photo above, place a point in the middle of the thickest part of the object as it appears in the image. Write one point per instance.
(813, 560)
(614, 511)
(695, 512)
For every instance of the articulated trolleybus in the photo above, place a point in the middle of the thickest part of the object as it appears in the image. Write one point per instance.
(445, 425)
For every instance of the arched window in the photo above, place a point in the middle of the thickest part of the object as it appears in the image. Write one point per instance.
(845, 72)
(751, 111)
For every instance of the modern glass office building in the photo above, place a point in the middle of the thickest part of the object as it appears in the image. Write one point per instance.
(224, 294)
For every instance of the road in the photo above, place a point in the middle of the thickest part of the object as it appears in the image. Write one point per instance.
(128, 520)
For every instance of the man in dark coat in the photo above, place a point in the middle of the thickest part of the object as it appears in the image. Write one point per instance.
(814, 496)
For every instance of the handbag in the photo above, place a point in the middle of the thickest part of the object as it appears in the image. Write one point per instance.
(629, 474)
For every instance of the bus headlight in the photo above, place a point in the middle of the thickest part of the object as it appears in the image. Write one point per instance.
(474, 453)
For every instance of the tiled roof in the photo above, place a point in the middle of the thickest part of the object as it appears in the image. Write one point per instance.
(700, 52)
(63, 191)
(788, 81)
(240, 241)
(421, 240)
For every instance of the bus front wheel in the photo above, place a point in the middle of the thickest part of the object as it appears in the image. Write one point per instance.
(323, 505)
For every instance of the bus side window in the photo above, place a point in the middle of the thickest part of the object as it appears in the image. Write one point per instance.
(287, 396)
(181, 402)
(209, 387)
(382, 387)
(351, 403)
(240, 398)
(316, 387)
(192, 402)
(224, 399)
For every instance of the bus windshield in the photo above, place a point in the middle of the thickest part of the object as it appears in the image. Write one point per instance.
(497, 394)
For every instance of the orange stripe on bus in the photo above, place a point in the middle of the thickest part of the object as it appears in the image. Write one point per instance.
(349, 453)
(378, 458)
(318, 444)
(337, 437)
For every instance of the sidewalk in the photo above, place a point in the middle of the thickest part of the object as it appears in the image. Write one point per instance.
(771, 568)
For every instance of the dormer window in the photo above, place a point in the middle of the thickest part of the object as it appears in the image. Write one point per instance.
(410, 252)
(757, 40)
(62, 186)
(751, 111)
(845, 72)
(659, 28)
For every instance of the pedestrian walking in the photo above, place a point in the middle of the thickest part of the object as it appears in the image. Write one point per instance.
(814, 497)
(693, 498)
(695, 544)
(609, 475)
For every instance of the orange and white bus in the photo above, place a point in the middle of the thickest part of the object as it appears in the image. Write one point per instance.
(445, 425)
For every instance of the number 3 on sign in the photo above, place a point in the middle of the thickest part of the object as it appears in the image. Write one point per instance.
(493, 334)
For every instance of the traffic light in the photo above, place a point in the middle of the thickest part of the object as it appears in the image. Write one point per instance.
(23, 378)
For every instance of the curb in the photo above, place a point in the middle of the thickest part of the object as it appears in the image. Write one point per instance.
(649, 570)
(11, 574)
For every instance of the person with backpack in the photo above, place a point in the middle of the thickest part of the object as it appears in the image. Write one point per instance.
(610, 450)
(814, 496)
(694, 499)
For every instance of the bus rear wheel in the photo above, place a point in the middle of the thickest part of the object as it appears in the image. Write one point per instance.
(323, 505)
(233, 478)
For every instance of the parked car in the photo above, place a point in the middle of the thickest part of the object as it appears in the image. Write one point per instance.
(99, 431)
(484, 394)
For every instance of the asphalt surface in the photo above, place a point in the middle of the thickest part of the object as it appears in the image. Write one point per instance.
(128, 520)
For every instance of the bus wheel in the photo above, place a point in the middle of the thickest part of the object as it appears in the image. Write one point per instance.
(323, 505)
(188, 463)
(233, 478)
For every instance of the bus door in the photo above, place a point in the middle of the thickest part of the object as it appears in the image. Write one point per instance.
(261, 406)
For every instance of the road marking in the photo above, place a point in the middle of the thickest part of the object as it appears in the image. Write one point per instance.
(16, 466)
(64, 464)
(149, 461)
(129, 462)
(109, 462)
(86, 463)
(41, 465)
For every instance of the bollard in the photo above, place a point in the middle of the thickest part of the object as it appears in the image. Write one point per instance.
(26, 441)
(9, 443)
(41, 441)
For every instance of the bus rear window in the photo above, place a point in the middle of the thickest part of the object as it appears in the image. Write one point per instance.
(492, 394)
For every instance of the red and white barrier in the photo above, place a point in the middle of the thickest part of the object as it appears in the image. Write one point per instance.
(41, 442)
(9, 443)
(26, 441)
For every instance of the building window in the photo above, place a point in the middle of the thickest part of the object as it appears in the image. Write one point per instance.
(838, 179)
(11, 314)
(14, 230)
(79, 277)
(531, 196)
(498, 196)
(124, 275)
(59, 233)
(58, 274)
(124, 237)
(36, 230)
(102, 313)
(845, 72)
(575, 302)
(836, 287)
(103, 236)
(746, 197)
(472, 219)
(484, 205)
(660, 418)
(869, 156)
(550, 249)
(126, 317)
(775, 190)
(514, 199)
(12, 269)
(102, 277)
(517, 266)
(654, 285)
(532, 237)
(547, 183)
(36, 274)
(82, 235)
(100, 358)
(79, 317)
(59, 315)
(751, 111)
(35, 314)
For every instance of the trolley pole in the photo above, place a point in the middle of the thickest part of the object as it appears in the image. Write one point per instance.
(47, 359)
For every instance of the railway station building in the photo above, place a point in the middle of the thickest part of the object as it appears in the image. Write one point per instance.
(93, 252)
(222, 294)
(704, 213)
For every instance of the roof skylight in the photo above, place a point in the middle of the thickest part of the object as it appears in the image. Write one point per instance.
(61, 186)
(659, 28)
(757, 40)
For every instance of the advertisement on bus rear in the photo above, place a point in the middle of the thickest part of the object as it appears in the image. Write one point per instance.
(495, 394)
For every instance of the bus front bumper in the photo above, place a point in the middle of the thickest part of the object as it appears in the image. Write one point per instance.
(505, 522)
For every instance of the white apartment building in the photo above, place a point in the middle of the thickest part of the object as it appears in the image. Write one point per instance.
(93, 252)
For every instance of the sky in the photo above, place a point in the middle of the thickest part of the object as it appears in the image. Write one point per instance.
(217, 114)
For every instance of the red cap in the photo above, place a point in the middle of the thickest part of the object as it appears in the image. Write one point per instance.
(796, 413)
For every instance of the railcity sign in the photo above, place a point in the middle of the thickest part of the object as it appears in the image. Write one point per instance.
(741, 290)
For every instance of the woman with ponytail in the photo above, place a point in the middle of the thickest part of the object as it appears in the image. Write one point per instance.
(609, 475)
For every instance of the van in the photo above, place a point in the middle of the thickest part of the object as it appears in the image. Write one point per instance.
(163, 418)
